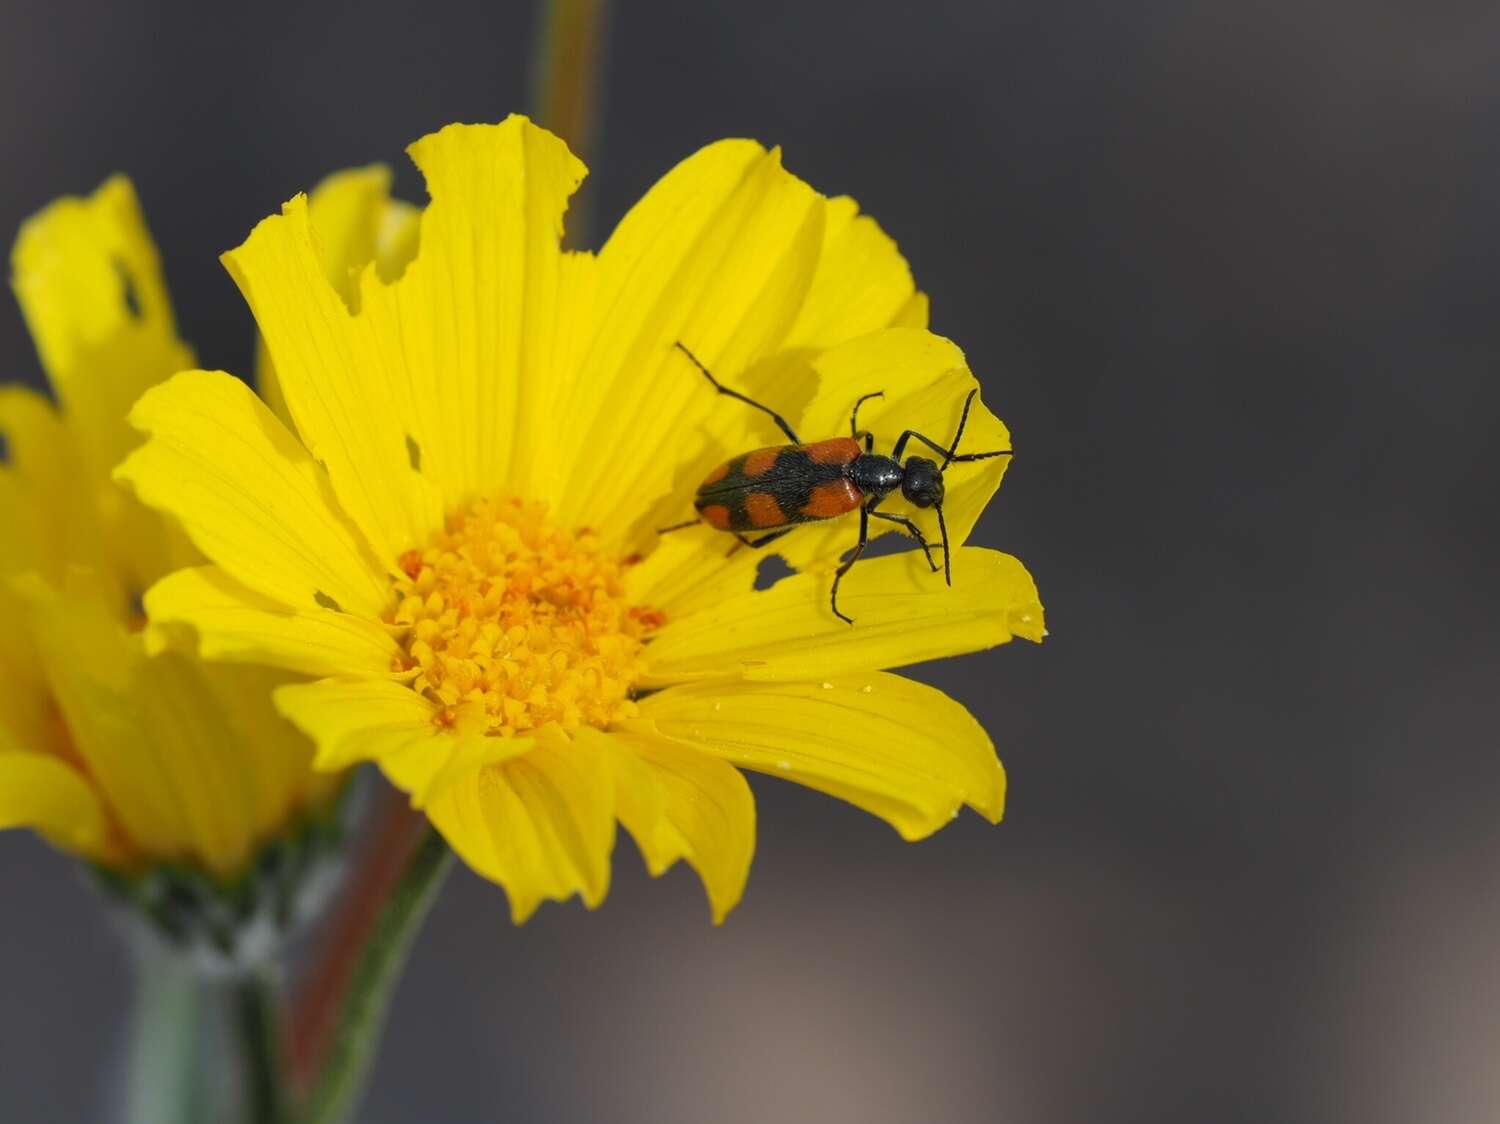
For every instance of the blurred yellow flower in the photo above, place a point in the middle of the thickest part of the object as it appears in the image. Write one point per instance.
(457, 536)
(114, 753)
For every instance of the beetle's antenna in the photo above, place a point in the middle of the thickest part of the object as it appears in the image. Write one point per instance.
(676, 527)
(953, 454)
(947, 554)
(963, 420)
(854, 417)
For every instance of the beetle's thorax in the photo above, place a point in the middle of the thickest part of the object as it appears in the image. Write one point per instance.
(874, 475)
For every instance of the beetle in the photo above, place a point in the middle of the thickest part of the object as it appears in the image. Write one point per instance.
(781, 487)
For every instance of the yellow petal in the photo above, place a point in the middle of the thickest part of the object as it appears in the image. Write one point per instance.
(681, 803)
(899, 749)
(93, 669)
(925, 381)
(640, 803)
(205, 760)
(692, 569)
(719, 255)
(249, 495)
(902, 613)
(278, 757)
(27, 719)
(424, 397)
(42, 793)
(171, 769)
(541, 825)
(862, 283)
(914, 313)
(50, 522)
(89, 282)
(353, 720)
(230, 622)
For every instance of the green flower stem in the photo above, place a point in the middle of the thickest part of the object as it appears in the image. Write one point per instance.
(375, 974)
(569, 71)
(257, 1016)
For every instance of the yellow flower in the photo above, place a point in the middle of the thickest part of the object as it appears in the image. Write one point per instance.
(459, 539)
(124, 756)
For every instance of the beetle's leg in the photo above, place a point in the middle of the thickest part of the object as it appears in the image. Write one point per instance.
(844, 567)
(676, 527)
(756, 544)
(722, 389)
(912, 530)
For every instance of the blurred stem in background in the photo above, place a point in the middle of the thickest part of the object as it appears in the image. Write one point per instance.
(379, 965)
(171, 1051)
(334, 1031)
(568, 68)
(257, 1012)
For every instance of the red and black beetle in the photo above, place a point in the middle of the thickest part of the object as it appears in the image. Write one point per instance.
(777, 489)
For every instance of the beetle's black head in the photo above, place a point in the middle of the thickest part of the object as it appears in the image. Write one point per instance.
(922, 482)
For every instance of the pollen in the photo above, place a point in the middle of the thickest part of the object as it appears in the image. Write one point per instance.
(511, 622)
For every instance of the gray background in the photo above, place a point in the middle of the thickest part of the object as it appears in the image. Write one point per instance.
(1227, 269)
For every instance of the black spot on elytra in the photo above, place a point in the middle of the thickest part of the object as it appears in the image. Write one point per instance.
(327, 602)
(413, 453)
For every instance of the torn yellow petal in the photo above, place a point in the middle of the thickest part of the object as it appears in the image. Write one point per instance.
(719, 255)
(680, 802)
(903, 614)
(423, 398)
(897, 748)
(925, 381)
(249, 495)
(52, 798)
(541, 825)
(355, 222)
(487, 277)
(89, 282)
(228, 621)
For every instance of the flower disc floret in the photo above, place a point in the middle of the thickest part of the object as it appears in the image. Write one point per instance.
(512, 622)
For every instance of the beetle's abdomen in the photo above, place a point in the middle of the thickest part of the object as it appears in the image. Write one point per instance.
(780, 486)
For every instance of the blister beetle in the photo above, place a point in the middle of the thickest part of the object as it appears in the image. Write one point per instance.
(777, 489)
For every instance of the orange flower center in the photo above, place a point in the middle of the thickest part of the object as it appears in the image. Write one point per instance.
(511, 622)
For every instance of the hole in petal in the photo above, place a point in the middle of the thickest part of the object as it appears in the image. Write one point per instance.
(327, 602)
(128, 293)
(770, 570)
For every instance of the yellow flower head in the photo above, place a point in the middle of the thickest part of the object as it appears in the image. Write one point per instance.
(460, 536)
(120, 755)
